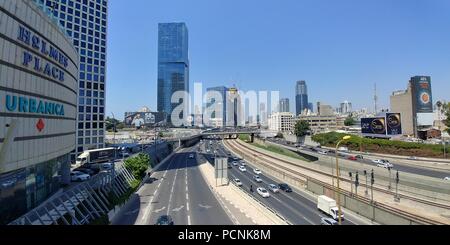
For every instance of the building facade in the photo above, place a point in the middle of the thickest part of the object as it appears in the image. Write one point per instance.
(38, 92)
(85, 21)
(173, 65)
(346, 108)
(319, 124)
(284, 105)
(324, 110)
(281, 122)
(301, 97)
(415, 104)
(221, 103)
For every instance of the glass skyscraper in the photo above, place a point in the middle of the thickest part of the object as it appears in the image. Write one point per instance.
(85, 21)
(301, 97)
(284, 105)
(223, 91)
(173, 64)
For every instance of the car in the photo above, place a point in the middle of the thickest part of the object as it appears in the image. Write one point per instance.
(284, 187)
(235, 163)
(263, 192)
(381, 161)
(191, 156)
(328, 221)
(256, 171)
(360, 157)
(237, 182)
(257, 179)
(447, 178)
(412, 158)
(229, 166)
(164, 220)
(382, 165)
(243, 163)
(273, 188)
(236, 159)
(378, 161)
(79, 176)
(242, 169)
(107, 166)
(323, 152)
(353, 158)
(86, 171)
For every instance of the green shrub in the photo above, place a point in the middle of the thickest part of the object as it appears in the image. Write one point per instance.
(138, 165)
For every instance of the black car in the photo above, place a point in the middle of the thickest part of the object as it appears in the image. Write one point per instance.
(359, 157)
(164, 220)
(284, 187)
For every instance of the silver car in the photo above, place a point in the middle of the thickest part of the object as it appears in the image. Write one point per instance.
(328, 221)
(273, 188)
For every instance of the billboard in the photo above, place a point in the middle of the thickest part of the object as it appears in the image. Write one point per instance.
(394, 123)
(422, 95)
(140, 119)
(374, 126)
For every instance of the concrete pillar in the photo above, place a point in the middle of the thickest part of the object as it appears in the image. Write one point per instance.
(252, 138)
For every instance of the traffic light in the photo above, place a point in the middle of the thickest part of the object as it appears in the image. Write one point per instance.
(365, 172)
(372, 178)
(350, 174)
(397, 178)
(357, 179)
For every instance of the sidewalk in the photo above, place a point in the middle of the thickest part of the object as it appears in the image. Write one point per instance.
(242, 209)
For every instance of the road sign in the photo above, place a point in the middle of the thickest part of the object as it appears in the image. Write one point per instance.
(221, 170)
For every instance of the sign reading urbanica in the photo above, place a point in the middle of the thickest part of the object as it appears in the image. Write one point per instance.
(33, 105)
(40, 65)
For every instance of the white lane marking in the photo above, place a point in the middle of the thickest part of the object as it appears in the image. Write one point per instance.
(205, 206)
(149, 206)
(178, 209)
(187, 206)
(159, 210)
(171, 191)
(189, 219)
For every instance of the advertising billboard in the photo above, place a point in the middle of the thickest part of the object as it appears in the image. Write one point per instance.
(373, 126)
(140, 119)
(393, 123)
(422, 94)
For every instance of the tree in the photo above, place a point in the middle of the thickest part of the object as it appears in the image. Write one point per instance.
(301, 128)
(349, 121)
(111, 122)
(280, 135)
(138, 165)
(446, 109)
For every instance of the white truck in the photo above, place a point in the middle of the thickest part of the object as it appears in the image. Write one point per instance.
(328, 206)
(95, 158)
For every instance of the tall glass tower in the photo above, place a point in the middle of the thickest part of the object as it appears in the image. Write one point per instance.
(301, 97)
(85, 21)
(173, 64)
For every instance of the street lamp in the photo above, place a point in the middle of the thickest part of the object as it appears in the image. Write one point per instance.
(337, 177)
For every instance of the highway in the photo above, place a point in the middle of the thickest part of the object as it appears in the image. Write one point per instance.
(297, 209)
(176, 189)
(397, 166)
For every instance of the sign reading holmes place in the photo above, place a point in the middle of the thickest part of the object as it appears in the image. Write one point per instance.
(41, 65)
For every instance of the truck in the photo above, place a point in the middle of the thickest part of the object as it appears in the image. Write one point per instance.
(94, 158)
(328, 206)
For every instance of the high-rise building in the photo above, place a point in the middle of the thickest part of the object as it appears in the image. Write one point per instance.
(217, 115)
(173, 64)
(38, 118)
(284, 105)
(311, 106)
(86, 24)
(345, 108)
(301, 97)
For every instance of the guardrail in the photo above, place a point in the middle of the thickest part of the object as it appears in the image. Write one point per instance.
(293, 175)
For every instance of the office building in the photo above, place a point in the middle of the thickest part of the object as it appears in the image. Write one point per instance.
(346, 108)
(415, 104)
(221, 103)
(301, 97)
(173, 65)
(324, 110)
(311, 107)
(281, 122)
(86, 24)
(320, 124)
(38, 73)
(284, 105)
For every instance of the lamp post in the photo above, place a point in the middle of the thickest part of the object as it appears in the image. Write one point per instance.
(114, 138)
(390, 186)
(337, 178)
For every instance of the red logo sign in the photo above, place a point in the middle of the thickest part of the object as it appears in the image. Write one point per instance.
(40, 125)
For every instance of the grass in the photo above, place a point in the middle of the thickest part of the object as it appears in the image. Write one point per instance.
(281, 151)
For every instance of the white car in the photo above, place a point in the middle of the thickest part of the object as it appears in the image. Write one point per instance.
(242, 169)
(234, 163)
(237, 182)
(382, 165)
(447, 178)
(79, 176)
(256, 171)
(274, 188)
(191, 156)
(243, 163)
(263, 192)
(323, 152)
(257, 179)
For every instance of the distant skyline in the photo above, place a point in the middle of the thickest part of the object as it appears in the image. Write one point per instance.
(266, 45)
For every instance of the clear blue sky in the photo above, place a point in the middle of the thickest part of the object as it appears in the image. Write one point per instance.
(341, 48)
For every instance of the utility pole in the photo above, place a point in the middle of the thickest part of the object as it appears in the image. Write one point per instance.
(372, 181)
(390, 186)
(351, 183)
(367, 186)
(397, 180)
(356, 183)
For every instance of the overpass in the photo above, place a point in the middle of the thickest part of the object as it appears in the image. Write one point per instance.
(226, 134)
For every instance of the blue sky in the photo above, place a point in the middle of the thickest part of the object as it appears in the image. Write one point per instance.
(341, 48)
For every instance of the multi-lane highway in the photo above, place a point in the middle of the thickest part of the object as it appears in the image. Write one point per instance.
(397, 166)
(292, 206)
(176, 189)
